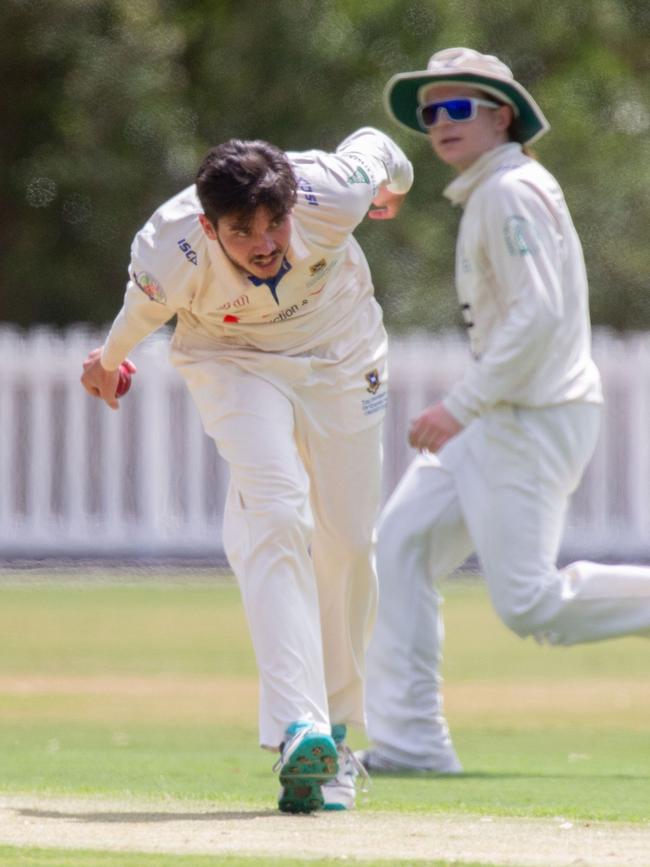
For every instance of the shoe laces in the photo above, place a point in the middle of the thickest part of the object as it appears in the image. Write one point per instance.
(356, 770)
(295, 738)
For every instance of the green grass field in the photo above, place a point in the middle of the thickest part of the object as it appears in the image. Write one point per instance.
(148, 691)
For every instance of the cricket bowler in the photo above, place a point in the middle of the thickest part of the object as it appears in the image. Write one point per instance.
(281, 343)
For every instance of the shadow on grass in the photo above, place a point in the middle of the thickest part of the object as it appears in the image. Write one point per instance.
(498, 775)
(126, 817)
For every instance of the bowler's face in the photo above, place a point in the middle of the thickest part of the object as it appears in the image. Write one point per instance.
(257, 246)
(459, 144)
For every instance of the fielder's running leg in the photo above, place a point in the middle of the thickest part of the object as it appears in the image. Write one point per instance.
(525, 463)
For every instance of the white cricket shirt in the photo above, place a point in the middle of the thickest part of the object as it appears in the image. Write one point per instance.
(176, 269)
(522, 287)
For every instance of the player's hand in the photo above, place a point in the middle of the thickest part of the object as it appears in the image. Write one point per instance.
(433, 428)
(100, 382)
(386, 205)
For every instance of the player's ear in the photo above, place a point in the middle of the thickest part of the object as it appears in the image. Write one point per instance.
(208, 227)
(503, 117)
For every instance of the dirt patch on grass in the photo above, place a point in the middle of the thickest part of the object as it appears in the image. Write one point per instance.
(602, 701)
(176, 828)
(221, 699)
(131, 698)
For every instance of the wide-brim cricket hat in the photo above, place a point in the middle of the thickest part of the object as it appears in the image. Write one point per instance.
(405, 92)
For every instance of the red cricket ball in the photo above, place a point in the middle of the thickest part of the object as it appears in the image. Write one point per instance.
(124, 382)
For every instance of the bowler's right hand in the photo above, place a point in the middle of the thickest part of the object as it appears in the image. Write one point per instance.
(100, 382)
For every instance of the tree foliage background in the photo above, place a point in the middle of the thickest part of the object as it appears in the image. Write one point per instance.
(109, 105)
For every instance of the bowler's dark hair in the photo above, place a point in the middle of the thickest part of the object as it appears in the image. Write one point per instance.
(237, 177)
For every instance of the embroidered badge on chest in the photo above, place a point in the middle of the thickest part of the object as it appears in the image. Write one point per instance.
(317, 267)
(373, 380)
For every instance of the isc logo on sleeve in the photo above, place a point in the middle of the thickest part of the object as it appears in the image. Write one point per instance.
(306, 188)
(186, 248)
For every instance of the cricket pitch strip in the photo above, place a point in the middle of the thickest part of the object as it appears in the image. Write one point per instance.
(177, 828)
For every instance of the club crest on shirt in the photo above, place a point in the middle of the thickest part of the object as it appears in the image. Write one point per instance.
(520, 236)
(317, 267)
(373, 380)
(359, 176)
(150, 286)
(363, 174)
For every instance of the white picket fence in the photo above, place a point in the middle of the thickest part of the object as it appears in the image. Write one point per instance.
(78, 480)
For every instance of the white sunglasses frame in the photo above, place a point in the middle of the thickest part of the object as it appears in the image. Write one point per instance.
(474, 102)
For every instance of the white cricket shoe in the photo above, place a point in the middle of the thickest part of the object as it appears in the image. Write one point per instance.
(340, 793)
(374, 762)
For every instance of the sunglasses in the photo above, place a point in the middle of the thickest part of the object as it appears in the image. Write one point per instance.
(459, 110)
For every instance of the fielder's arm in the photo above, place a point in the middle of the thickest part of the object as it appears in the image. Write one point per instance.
(386, 204)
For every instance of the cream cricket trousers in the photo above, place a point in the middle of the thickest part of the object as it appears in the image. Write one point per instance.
(302, 437)
(500, 488)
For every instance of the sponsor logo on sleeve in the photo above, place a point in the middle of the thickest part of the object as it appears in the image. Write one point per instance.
(186, 248)
(306, 188)
(150, 286)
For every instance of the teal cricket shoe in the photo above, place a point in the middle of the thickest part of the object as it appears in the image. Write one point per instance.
(308, 759)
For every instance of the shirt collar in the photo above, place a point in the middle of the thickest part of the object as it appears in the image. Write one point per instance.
(498, 159)
(272, 282)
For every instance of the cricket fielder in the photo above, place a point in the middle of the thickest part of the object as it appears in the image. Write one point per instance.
(501, 454)
(282, 346)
